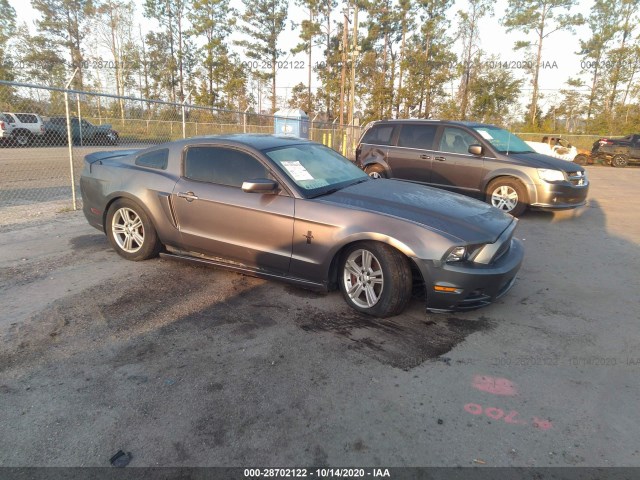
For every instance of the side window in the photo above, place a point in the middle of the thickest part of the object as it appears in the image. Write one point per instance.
(26, 118)
(158, 159)
(224, 166)
(456, 140)
(417, 136)
(378, 135)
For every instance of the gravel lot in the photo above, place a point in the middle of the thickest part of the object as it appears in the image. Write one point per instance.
(191, 366)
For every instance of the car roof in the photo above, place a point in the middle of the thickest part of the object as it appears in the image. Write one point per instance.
(258, 141)
(400, 121)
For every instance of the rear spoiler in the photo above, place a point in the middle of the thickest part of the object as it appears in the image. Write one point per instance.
(98, 156)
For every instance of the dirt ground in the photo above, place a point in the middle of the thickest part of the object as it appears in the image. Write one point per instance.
(184, 365)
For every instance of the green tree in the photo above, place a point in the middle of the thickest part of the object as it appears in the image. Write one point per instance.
(602, 23)
(7, 30)
(113, 29)
(170, 14)
(67, 23)
(622, 58)
(314, 31)
(493, 93)
(263, 22)
(572, 104)
(213, 21)
(468, 21)
(430, 58)
(543, 18)
(300, 96)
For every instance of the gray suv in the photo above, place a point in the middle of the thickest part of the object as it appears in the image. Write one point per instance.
(480, 160)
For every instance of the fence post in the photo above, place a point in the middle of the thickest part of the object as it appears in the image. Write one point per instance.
(80, 121)
(70, 139)
(184, 127)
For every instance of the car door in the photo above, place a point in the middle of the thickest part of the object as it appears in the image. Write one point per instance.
(411, 158)
(217, 218)
(454, 168)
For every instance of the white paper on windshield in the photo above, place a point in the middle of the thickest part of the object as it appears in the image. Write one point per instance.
(297, 171)
(485, 134)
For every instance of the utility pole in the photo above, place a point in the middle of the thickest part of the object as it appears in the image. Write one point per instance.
(344, 47)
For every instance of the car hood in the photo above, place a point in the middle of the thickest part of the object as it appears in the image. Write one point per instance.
(538, 160)
(456, 215)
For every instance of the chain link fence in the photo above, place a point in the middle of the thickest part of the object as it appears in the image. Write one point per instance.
(46, 132)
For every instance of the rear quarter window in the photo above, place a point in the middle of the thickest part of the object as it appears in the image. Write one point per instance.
(378, 135)
(157, 159)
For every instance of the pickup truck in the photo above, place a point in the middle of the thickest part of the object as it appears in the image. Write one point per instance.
(619, 151)
(82, 131)
(6, 130)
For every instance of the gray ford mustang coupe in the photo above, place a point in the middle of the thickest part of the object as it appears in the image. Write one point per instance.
(291, 209)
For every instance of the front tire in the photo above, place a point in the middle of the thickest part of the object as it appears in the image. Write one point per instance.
(508, 195)
(131, 232)
(619, 161)
(375, 279)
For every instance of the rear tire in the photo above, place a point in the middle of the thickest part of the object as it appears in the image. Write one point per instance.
(131, 232)
(620, 161)
(375, 171)
(375, 279)
(22, 139)
(508, 195)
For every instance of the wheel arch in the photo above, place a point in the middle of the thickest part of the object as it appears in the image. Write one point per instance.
(525, 180)
(334, 265)
(127, 196)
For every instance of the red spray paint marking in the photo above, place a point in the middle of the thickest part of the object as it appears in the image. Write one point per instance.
(541, 424)
(499, 414)
(497, 386)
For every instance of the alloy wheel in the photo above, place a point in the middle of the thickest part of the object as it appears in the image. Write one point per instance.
(505, 198)
(128, 230)
(363, 278)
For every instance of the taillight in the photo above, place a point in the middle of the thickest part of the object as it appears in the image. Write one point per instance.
(1, 125)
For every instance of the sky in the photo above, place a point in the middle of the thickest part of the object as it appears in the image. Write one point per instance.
(559, 50)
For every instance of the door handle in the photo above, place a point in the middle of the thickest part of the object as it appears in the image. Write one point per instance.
(441, 159)
(425, 157)
(188, 196)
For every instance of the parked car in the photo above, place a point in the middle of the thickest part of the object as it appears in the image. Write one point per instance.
(618, 152)
(6, 130)
(475, 159)
(82, 132)
(28, 128)
(287, 208)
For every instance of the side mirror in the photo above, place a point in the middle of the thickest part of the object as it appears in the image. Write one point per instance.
(260, 185)
(475, 149)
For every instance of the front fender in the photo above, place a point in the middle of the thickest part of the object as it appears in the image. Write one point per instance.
(526, 180)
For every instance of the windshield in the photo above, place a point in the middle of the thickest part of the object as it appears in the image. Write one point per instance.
(502, 140)
(316, 169)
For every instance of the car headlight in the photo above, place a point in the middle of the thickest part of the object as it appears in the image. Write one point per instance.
(457, 254)
(549, 175)
(463, 253)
